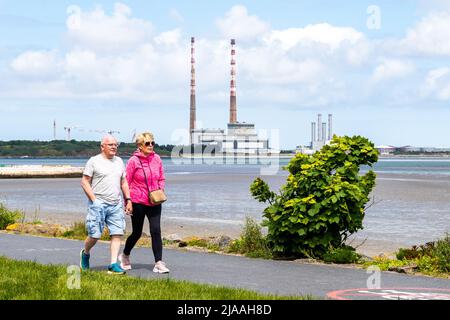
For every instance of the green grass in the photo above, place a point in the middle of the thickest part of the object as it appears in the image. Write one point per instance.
(26, 280)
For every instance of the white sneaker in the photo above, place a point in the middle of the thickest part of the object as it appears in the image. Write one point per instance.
(124, 260)
(160, 267)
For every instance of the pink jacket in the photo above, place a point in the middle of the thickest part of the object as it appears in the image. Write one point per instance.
(153, 167)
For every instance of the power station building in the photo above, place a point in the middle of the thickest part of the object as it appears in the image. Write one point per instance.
(323, 136)
(240, 138)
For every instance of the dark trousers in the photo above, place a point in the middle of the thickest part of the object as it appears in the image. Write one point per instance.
(153, 214)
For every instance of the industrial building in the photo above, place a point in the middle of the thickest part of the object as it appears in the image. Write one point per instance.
(320, 135)
(240, 138)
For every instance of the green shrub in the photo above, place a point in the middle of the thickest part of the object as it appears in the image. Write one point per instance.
(323, 201)
(416, 252)
(441, 253)
(252, 243)
(8, 217)
(344, 254)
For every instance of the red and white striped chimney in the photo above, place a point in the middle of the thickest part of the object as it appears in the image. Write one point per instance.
(192, 113)
(233, 111)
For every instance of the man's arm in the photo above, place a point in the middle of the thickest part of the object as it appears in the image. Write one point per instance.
(87, 188)
(126, 196)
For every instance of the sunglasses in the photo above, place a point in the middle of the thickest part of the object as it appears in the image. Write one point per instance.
(148, 143)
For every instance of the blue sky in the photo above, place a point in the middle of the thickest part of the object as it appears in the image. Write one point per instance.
(124, 66)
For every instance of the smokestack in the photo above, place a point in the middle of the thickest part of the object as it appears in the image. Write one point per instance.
(192, 113)
(313, 133)
(330, 130)
(233, 111)
(319, 125)
(54, 129)
(324, 131)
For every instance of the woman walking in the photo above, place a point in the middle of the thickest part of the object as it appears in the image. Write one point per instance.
(145, 173)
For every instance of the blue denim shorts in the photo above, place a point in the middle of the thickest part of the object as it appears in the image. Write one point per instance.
(101, 214)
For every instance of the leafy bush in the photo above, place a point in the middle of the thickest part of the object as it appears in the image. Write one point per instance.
(344, 254)
(323, 201)
(8, 217)
(252, 243)
(416, 251)
(441, 252)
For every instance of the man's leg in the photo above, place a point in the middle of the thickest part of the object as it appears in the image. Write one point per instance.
(115, 247)
(88, 244)
(115, 221)
(94, 227)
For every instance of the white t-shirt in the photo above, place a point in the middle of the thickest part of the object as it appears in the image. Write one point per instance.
(106, 177)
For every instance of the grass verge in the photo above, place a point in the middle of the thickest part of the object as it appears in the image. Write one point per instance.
(26, 280)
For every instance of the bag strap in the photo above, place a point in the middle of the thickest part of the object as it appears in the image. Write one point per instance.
(146, 182)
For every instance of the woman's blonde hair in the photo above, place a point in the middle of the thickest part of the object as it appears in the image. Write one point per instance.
(140, 139)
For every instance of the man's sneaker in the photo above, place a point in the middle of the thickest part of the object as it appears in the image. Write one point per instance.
(84, 260)
(160, 267)
(115, 269)
(125, 263)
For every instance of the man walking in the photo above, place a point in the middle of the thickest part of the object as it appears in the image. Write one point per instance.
(104, 183)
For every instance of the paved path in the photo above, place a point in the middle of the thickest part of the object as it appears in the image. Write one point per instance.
(267, 276)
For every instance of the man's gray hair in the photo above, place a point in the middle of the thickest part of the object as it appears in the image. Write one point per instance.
(108, 137)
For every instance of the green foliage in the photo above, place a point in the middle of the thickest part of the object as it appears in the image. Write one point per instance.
(198, 242)
(323, 201)
(384, 263)
(416, 251)
(433, 258)
(442, 253)
(63, 148)
(251, 243)
(78, 231)
(8, 217)
(344, 254)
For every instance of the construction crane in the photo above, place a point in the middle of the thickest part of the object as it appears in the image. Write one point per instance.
(68, 129)
(105, 131)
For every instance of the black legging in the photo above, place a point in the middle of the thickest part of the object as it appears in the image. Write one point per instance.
(153, 214)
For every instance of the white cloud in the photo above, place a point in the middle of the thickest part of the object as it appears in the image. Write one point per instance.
(41, 64)
(437, 84)
(430, 36)
(237, 23)
(322, 34)
(169, 38)
(118, 56)
(100, 32)
(390, 69)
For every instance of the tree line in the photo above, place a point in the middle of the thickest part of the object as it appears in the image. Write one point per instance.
(64, 148)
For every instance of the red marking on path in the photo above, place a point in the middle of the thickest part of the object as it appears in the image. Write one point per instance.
(392, 293)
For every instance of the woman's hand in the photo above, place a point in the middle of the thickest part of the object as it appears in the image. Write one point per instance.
(129, 208)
